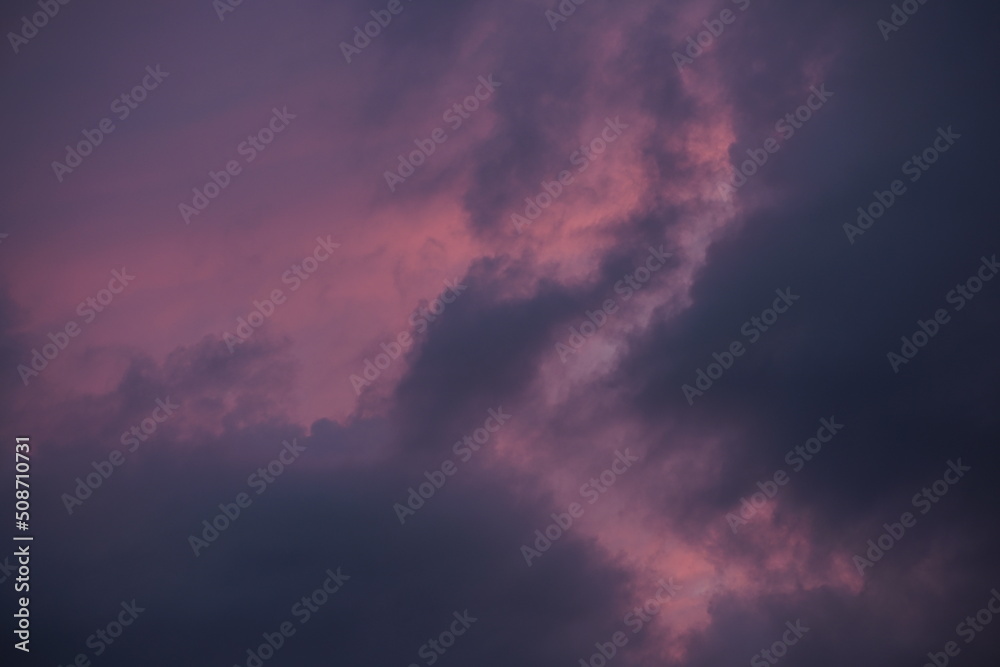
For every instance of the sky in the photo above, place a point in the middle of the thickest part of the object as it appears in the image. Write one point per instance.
(485, 333)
